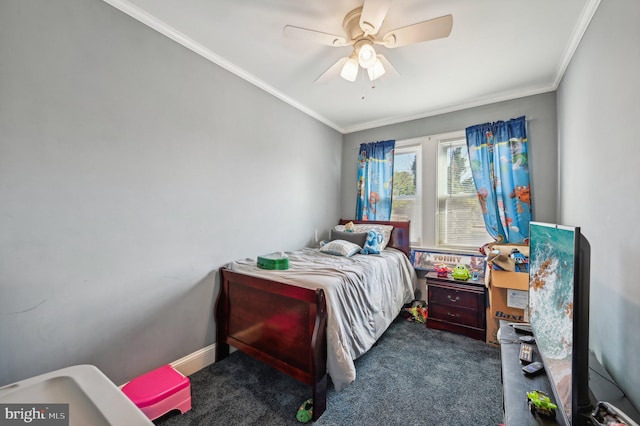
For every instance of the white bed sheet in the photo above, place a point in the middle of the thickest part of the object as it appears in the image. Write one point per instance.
(364, 295)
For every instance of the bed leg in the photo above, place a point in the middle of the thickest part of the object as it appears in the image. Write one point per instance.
(222, 320)
(319, 397)
(222, 351)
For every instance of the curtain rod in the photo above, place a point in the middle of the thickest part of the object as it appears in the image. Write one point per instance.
(527, 120)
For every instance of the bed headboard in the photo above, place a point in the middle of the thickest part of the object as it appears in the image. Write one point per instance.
(399, 236)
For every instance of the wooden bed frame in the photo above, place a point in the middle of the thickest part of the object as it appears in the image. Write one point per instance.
(283, 325)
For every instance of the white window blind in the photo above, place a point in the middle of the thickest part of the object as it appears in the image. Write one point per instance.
(459, 223)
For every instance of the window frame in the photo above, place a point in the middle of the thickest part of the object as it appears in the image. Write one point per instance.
(427, 187)
(414, 146)
(444, 143)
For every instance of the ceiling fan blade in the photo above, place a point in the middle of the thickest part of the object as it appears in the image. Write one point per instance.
(313, 36)
(390, 71)
(373, 13)
(422, 31)
(333, 71)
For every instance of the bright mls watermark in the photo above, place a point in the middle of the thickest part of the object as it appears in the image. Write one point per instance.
(34, 414)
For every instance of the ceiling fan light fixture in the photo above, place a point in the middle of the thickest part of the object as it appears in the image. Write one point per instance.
(366, 56)
(350, 70)
(377, 70)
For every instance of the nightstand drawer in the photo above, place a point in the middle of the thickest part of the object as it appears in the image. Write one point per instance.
(455, 315)
(449, 296)
(456, 306)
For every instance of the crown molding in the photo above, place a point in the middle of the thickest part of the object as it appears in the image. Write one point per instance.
(175, 35)
(453, 108)
(579, 30)
(588, 11)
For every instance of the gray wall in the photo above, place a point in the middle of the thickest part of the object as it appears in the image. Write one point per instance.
(540, 111)
(598, 112)
(130, 170)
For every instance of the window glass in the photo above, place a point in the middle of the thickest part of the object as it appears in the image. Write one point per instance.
(406, 189)
(459, 217)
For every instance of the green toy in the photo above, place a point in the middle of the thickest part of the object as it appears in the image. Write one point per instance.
(539, 402)
(461, 272)
(305, 412)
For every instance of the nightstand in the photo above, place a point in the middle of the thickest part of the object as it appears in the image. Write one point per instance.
(456, 306)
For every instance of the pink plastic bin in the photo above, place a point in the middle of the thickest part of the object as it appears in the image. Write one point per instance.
(160, 391)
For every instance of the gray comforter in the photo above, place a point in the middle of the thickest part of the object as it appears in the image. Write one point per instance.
(364, 295)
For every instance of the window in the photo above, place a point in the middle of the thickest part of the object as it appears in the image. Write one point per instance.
(406, 203)
(433, 188)
(459, 216)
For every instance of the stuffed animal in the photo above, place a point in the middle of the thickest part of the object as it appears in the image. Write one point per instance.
(349, 227)
(372, 244)
(461, 272)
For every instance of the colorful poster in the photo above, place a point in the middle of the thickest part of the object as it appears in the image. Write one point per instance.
(426, 260)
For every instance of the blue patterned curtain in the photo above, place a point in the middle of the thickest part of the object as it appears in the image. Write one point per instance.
(499, 162)
(375, 180)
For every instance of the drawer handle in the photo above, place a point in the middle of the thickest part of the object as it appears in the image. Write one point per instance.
(453, 315)
(452, 299)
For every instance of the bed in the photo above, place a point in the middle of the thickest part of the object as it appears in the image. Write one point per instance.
(314, 319)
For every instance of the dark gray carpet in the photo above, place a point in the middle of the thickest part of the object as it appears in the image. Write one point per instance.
(412, 376)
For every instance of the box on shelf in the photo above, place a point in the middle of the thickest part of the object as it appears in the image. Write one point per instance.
(508, 300)
(509, 295)
(499, 257)
(507, 248)
(508, 292)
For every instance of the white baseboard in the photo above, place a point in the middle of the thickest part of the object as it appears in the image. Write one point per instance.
(196, 361)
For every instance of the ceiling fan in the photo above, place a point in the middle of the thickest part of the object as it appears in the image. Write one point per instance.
(361, 26)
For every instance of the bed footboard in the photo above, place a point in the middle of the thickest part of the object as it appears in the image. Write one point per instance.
(279, 324)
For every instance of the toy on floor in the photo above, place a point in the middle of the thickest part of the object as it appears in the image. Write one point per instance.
(417, 312)
(305, 412)
(160, 391)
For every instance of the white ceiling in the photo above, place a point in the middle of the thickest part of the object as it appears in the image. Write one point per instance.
(497, 50)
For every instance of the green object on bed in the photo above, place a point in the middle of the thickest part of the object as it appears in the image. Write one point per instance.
(277, 261)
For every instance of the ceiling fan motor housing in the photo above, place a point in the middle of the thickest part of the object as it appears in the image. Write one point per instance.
(351, 24)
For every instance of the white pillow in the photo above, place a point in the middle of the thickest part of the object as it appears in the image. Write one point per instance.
(385, 230)
(340, 248)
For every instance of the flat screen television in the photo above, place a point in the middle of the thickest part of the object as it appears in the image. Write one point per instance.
(559, 269)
